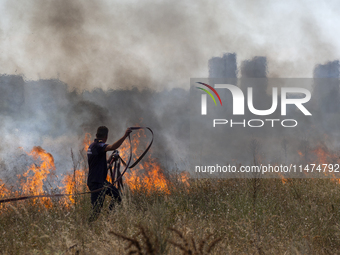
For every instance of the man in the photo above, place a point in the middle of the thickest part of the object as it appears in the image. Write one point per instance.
(96, 155)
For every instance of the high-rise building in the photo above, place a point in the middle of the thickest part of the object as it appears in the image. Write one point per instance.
(223, 67)
(256, 68)
(326, 86)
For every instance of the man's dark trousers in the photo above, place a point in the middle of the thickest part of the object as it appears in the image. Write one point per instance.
(97, 198)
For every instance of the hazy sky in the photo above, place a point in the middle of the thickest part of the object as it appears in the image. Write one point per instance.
(161, 44)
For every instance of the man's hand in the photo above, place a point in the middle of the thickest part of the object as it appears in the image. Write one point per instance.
(116, 145)
(127, 132)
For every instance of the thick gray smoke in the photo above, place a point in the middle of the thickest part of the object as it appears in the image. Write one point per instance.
(146, 44)
(46, 113)
(69, 66)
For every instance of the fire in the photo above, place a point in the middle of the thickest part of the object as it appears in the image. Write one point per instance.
(322, 156)
(283, 179)
(87, 141)
(184, 178)
(3, 192)
(74, 183)
(32, 181)
(3, 189)
(148, 175)
(325, 156)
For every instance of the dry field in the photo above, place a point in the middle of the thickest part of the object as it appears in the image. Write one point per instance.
(230, 216)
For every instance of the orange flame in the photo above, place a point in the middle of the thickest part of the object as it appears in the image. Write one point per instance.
(147, 176)
(322, 156)
(87, 141)
(74, 183)
(184, 178)
(32, 181)
(3, 192)
(283, 179)
(3, 189)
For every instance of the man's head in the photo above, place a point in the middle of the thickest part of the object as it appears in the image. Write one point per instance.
(102, 132)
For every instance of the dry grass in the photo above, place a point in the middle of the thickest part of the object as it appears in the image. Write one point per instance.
(210, 217)
(147, 246)
(190, 246)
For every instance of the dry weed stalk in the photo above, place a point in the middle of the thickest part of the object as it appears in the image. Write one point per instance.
(70, 248)
(146, 247)
(190, 247)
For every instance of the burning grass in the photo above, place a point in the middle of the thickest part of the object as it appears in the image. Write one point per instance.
(163, 213)
(148, 176)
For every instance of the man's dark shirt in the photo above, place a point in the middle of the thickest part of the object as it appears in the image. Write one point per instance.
(96, 156)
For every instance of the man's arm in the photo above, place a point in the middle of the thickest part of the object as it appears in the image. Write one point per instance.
(116, 145)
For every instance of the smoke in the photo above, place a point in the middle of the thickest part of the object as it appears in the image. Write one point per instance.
(47, 113)
(146, 44)
(70, 66)
(108, 44)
